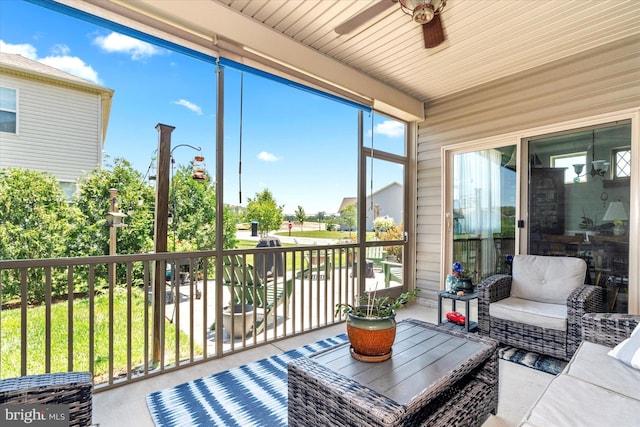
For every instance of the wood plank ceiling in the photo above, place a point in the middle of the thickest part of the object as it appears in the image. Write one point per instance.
(485, 39)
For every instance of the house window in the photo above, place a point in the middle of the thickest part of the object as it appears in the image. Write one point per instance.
(8, 110)
(68, 188)
(622, 163)
(571, 162)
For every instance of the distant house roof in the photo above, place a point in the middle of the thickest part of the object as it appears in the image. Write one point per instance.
(27, 68)
(352, 200)
(347, 201)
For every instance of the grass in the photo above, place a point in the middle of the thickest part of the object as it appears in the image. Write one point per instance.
(36, 326)
(313, 234)
(320, 234)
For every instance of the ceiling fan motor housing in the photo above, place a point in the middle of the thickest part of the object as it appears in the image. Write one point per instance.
(423, 13)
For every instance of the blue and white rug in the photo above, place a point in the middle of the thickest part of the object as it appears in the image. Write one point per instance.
(250, 395)
(256, 394)
(546, 364)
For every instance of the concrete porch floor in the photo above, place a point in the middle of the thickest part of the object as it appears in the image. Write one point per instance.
(126, 406)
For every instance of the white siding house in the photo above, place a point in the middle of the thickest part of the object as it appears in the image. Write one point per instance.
(387, 202)
(60, 120)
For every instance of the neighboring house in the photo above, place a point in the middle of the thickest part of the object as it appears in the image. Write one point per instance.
(50, 120)
(347, 201)
(386, 202)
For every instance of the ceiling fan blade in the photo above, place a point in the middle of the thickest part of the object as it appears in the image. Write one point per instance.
(361, 18)
(433, 32)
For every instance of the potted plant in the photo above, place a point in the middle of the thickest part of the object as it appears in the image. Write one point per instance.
(460, 280)
(371, 324)
(242, 321)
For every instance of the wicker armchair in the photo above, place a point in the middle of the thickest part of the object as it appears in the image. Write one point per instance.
(65, 388)
(536, 323)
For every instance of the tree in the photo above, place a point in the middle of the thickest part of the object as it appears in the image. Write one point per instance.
(348, 216)
(135, 198)
(301, 217)
(35, 222)
(265, 211)
(193, 205)
(320, 218)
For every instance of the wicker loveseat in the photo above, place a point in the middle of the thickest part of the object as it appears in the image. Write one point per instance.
(539, 307)
(600, 385)
(73, 389)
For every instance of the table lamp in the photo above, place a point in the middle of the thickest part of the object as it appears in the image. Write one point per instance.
(617, 214)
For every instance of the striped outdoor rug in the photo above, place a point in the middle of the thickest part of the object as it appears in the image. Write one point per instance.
(546, 364)
(249, 395)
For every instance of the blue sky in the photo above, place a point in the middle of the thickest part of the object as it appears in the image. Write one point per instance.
(300, 146)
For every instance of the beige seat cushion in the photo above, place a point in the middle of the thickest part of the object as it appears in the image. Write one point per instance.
(569, 401)
(543, 315)
(592, 364)
(546, 278)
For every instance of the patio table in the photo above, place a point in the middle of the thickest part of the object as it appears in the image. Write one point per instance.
(435, 376)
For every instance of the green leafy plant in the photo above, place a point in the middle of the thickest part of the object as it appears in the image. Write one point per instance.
(373, 306)
(393, 233)
(460, 273)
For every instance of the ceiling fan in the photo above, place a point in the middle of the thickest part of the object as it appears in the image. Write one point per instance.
(424, 12)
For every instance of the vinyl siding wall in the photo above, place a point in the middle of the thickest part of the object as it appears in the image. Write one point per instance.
(58, 130)
(600, 81)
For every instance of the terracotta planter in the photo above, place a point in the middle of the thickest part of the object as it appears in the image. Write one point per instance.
(371, 338)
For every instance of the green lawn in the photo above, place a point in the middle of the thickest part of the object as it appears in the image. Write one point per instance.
(320, 234)
(10, 336)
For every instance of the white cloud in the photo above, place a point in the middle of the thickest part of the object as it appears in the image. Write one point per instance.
(72, 65)
(267, 157)
(118, 43)
(390, 128)
(60, 59)
(60, 50)
(191, 106)
(24, 49)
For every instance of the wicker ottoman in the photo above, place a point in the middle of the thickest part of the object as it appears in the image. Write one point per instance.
(66, 388)
(436, 377)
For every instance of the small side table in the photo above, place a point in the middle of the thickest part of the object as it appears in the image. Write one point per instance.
(469, 326)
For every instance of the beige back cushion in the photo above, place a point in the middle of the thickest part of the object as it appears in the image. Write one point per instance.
(546, 278)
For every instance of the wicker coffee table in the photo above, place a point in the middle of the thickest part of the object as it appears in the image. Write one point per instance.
(436, 376)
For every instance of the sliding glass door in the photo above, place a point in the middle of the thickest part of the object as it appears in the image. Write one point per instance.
(578, 203)
(481, 210)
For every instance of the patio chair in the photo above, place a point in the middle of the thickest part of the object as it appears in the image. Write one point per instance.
(247, 288)
(318, 264)
(540, 306)
(74, 389)
(377, 254)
